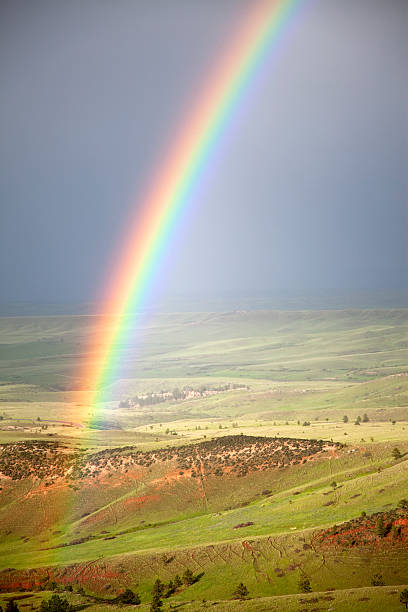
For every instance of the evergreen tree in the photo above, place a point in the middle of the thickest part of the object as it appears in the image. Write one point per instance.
(188, 577)
(404, 598)
(157, 604)
(345, 419)
(129, 597)
(365, 418)
(170, 589)
(158, 588)
(380, 527)
(55, 604)
(304, 584)
(396, 453)
(11, 606)
(377, 580)
(241, 591)
(177, 581)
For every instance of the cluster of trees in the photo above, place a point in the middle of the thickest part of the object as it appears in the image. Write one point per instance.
(34, 458)
(177, 394)
(163, 589)
(240, 453)
(358, 420)
(128, 597)
(56, 604)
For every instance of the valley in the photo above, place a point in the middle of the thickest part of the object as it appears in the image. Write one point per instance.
(255, 446)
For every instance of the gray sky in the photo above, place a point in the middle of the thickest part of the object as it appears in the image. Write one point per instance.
(309, 189)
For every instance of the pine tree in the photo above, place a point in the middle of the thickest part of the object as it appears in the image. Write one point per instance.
(158, 588)
(396, 453)
(157, 604)
(177, 581)
(55, 604)
(304, 584)
(129, 597)
(170, 589)
(11, 606)
(188, 577)
(380, 527)
(404, 598)
(241, 591)
(377, 580)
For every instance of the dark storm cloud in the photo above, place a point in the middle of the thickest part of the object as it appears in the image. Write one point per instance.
(309, 189)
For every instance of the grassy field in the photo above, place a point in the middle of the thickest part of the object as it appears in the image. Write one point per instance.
(367, 599)
(300, 374)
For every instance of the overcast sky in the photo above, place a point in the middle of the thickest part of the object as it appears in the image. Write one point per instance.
(310, 187)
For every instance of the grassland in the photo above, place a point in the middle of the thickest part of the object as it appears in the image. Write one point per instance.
(300, 372)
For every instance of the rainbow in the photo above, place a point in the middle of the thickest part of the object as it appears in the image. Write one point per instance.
(179, 174)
